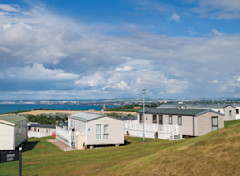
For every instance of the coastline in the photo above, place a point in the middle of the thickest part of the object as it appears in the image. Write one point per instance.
(37, 112)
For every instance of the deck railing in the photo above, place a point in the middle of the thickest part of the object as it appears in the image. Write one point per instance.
(151, 130)
(63, 135)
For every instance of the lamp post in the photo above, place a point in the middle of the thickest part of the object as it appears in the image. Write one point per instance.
(143, 92)
(20, 161)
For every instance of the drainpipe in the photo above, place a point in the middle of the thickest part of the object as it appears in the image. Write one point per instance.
(193, 127)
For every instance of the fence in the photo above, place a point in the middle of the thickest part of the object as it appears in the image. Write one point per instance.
(151, 130)
(64, 135)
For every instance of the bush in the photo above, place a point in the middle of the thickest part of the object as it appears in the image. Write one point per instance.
(48, 118)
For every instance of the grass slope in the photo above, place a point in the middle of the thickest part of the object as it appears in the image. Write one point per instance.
(217, 153)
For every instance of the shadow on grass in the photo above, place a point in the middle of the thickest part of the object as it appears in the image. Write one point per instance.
(29, 146)
(126, 142)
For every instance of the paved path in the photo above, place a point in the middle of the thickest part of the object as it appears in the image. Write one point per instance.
(61, 145)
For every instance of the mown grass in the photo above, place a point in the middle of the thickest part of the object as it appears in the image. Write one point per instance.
(217, 153)
(47, 159)
(231, 122)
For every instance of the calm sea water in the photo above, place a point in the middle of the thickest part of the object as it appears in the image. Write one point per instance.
(4, 108)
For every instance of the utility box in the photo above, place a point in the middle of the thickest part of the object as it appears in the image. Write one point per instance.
(13, 131)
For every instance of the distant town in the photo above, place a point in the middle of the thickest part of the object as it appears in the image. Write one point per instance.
(122, 102)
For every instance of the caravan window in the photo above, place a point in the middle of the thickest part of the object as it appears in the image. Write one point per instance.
(179, 120)
(98, 131)
(105, 132)
(160, 120)
(140, 118)
(154, 118)
(214, 123)
(170, 119)
(102, 131)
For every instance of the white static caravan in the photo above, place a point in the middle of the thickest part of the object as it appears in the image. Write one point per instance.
(40, 130)
(13, 131)
(91, 129)
(237, 106)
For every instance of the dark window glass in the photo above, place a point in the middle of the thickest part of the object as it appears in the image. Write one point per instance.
(214, 123)
(140, 118)
(170, 119)
(154, 118)
(160, 119)
(179, 120)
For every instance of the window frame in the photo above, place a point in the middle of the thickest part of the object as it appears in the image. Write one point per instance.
(140, 118)
(98, 133)
(178, 120)
(159, 119)
(170, 117)
(214, 126)
(105, 133)
(154, 121)
(102, 132)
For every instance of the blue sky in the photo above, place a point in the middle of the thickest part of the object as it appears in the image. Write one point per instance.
(90, 49)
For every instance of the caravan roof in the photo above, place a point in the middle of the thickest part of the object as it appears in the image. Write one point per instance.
(11, 119)
(85, 116)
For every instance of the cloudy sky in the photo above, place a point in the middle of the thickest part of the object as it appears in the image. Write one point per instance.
(91, 49)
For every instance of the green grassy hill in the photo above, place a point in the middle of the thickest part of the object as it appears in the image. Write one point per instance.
(217, 153)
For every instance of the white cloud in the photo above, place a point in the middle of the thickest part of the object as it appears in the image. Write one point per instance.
(38, 45)
(125, 68)
(133, 81)
(232, 86)
(37, 72)
(122, 85)
(216, 32)
(9, 7)
(226, 5)
(214, 81)
(94, 80)
(222, 9)
(175, 17)
(4, 49)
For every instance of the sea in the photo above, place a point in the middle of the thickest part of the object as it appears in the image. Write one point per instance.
(5, 108)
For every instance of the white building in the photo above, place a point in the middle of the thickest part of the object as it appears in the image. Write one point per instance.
(237, 106)
(91, 129)
(36, 130)
(13, 131)
(229, 111)
(174, 123)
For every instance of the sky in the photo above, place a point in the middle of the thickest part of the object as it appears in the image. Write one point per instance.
(91, 49)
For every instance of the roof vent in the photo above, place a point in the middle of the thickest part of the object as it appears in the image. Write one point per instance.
(181, 106)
